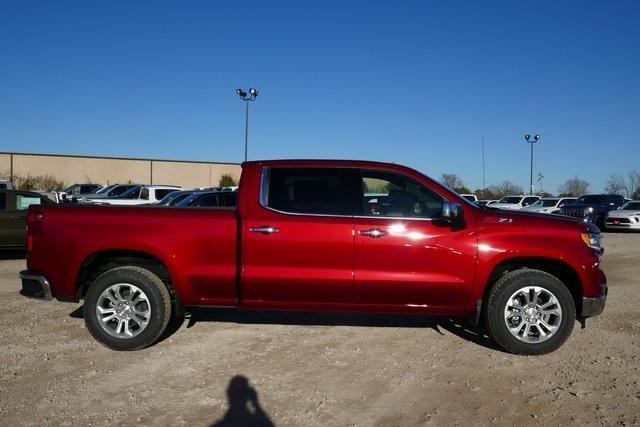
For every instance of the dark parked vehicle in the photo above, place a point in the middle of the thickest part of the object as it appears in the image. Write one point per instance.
(114, 190)
(175, 197)
(593, 208)
(13, 212)
(71, 193)
(211, 199)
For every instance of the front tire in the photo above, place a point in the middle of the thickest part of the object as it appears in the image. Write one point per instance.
(530, 312)
(127, 308)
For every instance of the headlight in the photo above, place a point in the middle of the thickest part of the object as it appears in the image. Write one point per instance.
(589, 210)
(593, 240)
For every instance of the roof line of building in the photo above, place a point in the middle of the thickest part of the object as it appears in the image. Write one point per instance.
(18, 153)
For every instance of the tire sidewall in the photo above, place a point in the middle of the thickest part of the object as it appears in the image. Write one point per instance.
(157, 320)
(495, 313)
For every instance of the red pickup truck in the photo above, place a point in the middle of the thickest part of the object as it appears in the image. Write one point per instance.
(321, 235)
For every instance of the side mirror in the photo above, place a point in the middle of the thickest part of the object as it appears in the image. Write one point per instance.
(451, 212)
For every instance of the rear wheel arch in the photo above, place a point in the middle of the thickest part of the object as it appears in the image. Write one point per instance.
(100, 262)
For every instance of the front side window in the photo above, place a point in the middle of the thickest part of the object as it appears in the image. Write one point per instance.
(322, 191)
(529, 200)
(3, 201)
(387, 194)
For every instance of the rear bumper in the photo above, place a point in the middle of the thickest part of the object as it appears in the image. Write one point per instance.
(593, 306)
(35, 286)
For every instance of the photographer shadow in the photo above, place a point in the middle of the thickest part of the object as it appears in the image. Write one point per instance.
(244, 406)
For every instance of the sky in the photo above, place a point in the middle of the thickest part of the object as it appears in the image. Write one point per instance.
(413, 82)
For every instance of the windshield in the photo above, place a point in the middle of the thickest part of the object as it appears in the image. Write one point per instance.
(105, 189)
(545, 203)
(130, 194)
(510, 199)
(171, 196)
(591, 200)
(631, 206)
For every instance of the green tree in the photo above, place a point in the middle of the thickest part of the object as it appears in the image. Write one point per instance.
(227, 180)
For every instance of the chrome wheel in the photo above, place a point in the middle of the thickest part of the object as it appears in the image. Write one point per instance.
(123, 310)
(533, 314)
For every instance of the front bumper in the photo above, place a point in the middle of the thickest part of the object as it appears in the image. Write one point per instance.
(35, 286)
(593, 306)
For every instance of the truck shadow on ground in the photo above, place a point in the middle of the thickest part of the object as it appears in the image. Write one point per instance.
(243, 407)
(456, 326)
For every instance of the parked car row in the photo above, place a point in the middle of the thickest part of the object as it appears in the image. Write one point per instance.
(607, 211)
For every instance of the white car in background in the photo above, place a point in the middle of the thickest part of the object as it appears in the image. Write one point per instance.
(139, 195)
(627, 217)
(470, 197)
(515, 202)
(549, 205)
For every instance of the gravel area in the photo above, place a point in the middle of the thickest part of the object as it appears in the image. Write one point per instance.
(237, 368)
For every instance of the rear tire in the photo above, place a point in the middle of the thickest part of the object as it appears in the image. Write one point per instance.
(127, 308)
(530, 312)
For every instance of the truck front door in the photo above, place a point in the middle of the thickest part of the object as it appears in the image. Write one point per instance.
(406, 259)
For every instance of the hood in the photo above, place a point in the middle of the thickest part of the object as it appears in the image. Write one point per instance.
(539, 209)
(533, 220)
(505, 205)
(580, 206)
(623, 213)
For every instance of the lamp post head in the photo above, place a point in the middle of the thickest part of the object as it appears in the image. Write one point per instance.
(253, 92)
(536, 137)
(527, 137)
(241, 93)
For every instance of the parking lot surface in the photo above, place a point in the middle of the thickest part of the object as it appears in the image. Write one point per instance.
(232, 368)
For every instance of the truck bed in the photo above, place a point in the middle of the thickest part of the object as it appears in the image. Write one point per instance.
(197, 246)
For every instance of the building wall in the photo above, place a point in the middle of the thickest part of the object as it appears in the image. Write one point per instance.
(109, 170)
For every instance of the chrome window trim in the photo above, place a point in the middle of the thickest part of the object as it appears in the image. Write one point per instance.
(263, 197)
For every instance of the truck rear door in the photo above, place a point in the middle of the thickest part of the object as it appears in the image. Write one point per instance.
(298, 240)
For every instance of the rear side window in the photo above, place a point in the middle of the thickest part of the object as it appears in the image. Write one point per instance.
(529, 200)
(320, 191)
(24, 201)
(207, 200)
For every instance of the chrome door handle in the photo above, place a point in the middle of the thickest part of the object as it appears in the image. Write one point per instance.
(264, 229)
(373, 232)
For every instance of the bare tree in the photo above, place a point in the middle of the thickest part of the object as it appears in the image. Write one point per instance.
(455, 183)
(505, 189)
(633, 189)
(617, 185)
(574, 187)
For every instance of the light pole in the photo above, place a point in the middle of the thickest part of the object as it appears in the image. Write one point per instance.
(531, 141)
(246, 97)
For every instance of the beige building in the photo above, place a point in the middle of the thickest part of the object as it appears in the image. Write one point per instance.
(110, 170)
